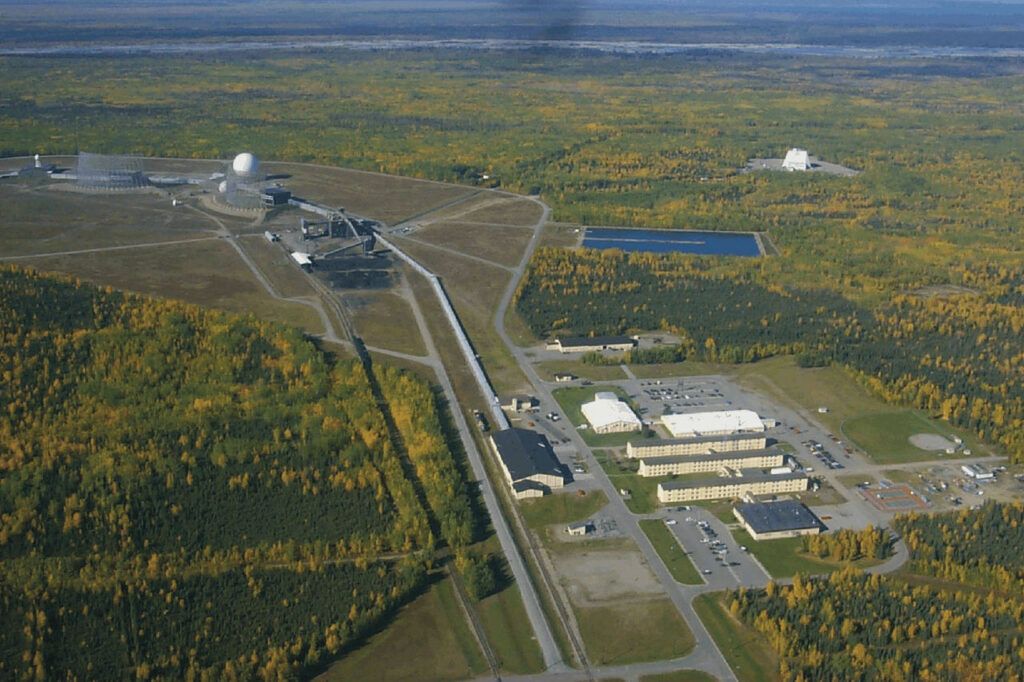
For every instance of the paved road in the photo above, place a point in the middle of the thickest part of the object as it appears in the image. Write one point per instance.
(706, 655)
(531, 601)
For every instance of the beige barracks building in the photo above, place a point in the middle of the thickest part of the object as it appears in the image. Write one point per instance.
(701, 464)
(728, 487)
(696, 445)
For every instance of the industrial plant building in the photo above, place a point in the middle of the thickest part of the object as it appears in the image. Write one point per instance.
(701, 464)
(589, 344)
(721, 423)
(695, 445)
(738, 484)
(110, 172)
(774, 520)
(607, 414)
(528, 462)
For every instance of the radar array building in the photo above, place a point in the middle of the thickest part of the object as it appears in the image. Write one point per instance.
(607, 414)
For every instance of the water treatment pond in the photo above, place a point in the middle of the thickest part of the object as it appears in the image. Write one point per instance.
(673, 241)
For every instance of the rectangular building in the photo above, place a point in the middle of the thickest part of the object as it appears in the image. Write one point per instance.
(700, 464)
(607, 414)
(695, 445)
(589, 344)
(718, 423)
(528, 462)
(782, 519)
(727, 487)
(519, 403)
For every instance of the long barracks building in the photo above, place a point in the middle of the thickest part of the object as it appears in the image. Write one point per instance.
(695, 445)
(728, 487)
(698, 464)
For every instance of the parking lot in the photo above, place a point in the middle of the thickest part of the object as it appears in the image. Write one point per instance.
(712, 549)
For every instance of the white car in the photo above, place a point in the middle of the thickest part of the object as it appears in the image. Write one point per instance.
(670, 522)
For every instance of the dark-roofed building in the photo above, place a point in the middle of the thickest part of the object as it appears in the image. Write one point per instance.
(772, 520)
(587, 344)
(276, 196)
(528, 461)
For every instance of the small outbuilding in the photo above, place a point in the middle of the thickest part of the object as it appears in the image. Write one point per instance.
(796, 160)
(580, 528)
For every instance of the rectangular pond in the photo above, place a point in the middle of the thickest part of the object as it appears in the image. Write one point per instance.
(672, 241)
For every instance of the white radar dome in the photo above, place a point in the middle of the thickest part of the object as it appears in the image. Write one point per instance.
(223, 187)
(245, 165)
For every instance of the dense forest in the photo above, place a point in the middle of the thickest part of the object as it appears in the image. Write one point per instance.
(980, 547)
(655, 142)
(187, 492)
(851, 626)
(956, 355)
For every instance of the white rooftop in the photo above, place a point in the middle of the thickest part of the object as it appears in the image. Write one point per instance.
(712, 423)
(796, 160)
(606, 409)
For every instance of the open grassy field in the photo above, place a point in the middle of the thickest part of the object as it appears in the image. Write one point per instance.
(495, 243)
(475, 290)
(679, 676)
(280, 270)
(549, 368)
(206, 273)
(649, 630)
(42, 220)
(642, 491)
(385, 320)
(509, 632)
(387, 198)
(671, 552)
(886, 435)
(784, 558)
(688, 368)
(744, 648)
(428, 640)
(561, 508)
(847, 402)
(519, 212)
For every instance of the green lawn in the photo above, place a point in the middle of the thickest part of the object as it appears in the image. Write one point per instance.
(630, 633)
(671, 552)
(784, 558)
(571, 399)
(689, 368)
(561, 508)
(509, 632)
(679, 676)
(548, 369)
(885, 435)
(643, 492)
(745, 650)
(852, 410)
(434, 640)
